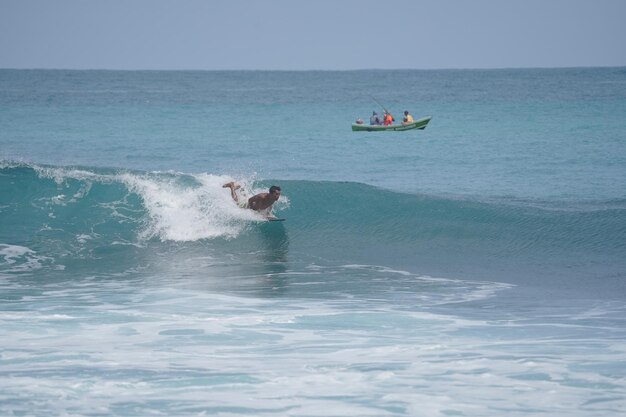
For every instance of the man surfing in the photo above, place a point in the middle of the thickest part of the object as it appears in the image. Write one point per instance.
(261, 202)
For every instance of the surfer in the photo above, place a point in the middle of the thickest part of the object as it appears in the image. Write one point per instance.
(261, 202)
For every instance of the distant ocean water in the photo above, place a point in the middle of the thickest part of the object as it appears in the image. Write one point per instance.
(476, 268)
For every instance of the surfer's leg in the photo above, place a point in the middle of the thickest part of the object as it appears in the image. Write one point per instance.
(232, 187)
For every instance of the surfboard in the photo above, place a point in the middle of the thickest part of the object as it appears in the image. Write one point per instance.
(275, 219)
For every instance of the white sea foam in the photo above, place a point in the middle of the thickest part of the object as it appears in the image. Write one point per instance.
(62, 174)
(58, 199)
(445, 290)
(12, 252)
(183, 212)
(22, 259)
(168, 351)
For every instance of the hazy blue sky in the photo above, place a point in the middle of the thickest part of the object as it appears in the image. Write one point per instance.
(313, 34)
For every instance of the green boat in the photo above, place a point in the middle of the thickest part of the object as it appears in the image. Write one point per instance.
(417, 124)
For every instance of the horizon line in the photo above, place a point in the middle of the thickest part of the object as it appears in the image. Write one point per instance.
(309, 70)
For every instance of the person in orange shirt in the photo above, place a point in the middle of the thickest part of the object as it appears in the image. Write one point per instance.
(388, 119)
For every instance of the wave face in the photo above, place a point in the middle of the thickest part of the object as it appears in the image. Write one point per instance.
(74, 214)
(117, 205)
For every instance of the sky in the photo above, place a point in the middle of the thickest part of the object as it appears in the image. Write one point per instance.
(311, 35)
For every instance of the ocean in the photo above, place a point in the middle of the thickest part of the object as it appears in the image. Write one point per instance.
(474, 268)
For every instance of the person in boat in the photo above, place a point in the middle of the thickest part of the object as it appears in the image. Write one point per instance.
(261, 202)
(408, 119)
(375, 120)
(359, 121)
(388, 119)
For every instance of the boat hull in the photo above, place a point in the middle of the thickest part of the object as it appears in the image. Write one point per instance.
(418, 124)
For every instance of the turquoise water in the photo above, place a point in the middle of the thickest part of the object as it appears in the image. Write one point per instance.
(475, 268)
